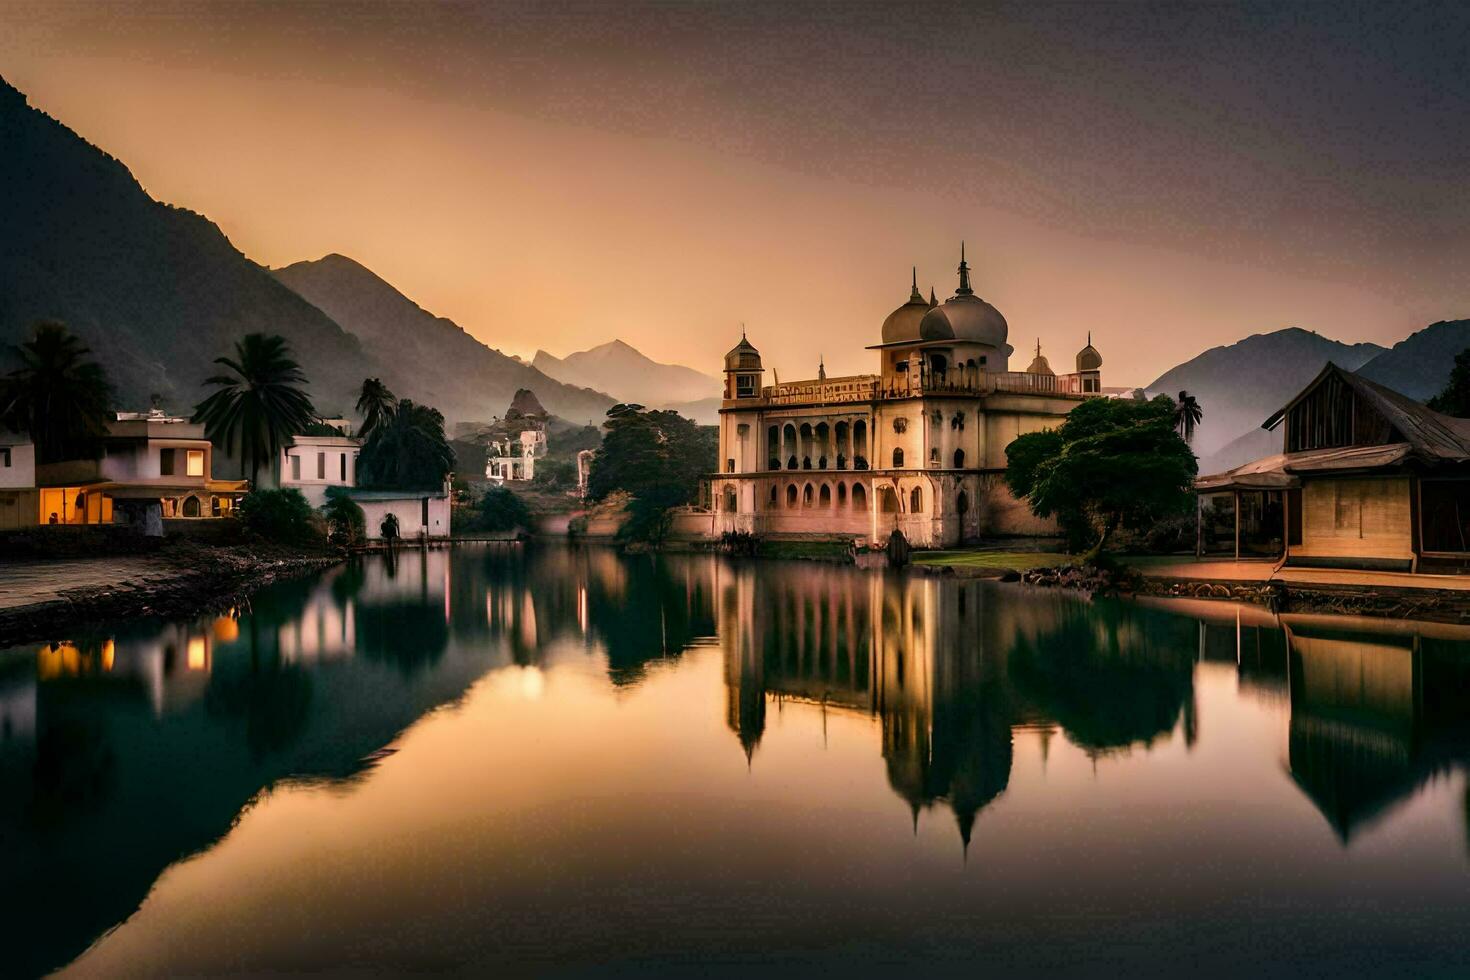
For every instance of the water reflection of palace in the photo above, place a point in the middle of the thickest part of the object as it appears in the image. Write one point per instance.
(953, 670)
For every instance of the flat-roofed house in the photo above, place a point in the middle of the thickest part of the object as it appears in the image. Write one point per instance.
(1366, 478)
(311, 464)
(153, 467)
(17, 480)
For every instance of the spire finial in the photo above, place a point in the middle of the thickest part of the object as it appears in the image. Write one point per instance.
(933, 300)
(1089, 338)
(914, 295)
(1038, 346)
(742, 329)
(964, 289)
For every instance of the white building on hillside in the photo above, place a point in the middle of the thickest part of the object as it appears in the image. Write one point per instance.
(17, 480)
(514, 458)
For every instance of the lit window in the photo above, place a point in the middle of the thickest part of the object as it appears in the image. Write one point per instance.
(194, 465)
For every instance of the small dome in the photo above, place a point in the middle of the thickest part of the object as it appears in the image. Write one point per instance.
(965, 316)
(1088, 359)
(743, 357)
(903, 323)
(1039, 363)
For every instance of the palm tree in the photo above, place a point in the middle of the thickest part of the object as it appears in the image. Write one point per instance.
(58, 395)
(260, 401)
(408, 452)
(1187, 415)
(375, 404)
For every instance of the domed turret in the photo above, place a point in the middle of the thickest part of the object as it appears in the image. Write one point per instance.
(743, 370)
(1088, 359)
(965, 317)
(743, 357)
(903, 323)
(1039, 363)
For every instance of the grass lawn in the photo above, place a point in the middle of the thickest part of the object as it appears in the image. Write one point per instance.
(1019, 560)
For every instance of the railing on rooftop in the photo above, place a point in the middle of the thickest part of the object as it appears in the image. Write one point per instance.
(871, 388)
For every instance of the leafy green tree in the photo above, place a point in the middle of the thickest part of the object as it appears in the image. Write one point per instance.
(261, 402)
(346, 523)
(58, 395)
(278, 515)
(1455, 398)
(658, 457)
(555, 474)
(376, 405)
(1113, 463)
(503, 510)
(1187, 415)
(408, 451)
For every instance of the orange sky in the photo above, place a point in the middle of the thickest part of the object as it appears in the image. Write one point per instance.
(558, 184)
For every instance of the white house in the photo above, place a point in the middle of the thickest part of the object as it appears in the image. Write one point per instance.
(514, 458)
(311, 464)
(17, 480)
(422, 515)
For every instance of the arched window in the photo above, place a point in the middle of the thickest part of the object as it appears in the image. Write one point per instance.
(897, 458)
(916, 501)
(825, 497)
(888, 500)
(859, 497)
(191, 506)
(806, 495)
(730, 504)
(959, 459)
(790, 495)
(773, 495)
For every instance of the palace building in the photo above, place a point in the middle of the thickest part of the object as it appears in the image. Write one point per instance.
(917, 447)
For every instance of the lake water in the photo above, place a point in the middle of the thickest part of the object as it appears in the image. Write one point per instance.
(553, 761)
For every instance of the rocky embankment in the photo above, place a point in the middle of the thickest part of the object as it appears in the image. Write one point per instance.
(1427, 603)
(176, 581)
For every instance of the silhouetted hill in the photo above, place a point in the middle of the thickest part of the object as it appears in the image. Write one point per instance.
(158, 292)
(1419, 366)
(1240, 385)
(631, 376)
(426, 357)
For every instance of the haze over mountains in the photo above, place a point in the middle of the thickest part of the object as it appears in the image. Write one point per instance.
(468, 380)
(158, 292)
(1238, 386)
(631, 376)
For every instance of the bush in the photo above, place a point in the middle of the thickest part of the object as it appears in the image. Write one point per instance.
(346, 523)
(555, 474)
(501, 510)
(278, 515)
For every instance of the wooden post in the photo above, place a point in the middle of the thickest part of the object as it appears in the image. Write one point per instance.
(1236, 495)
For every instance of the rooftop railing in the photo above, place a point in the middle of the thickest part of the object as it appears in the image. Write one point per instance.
(870, 388)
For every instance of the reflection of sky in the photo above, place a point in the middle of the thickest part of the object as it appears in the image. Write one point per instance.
(583, 804)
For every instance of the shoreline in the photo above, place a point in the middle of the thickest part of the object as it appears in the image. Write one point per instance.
(185, 582)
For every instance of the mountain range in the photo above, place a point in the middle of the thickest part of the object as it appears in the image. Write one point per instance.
(465, 379)
(631, 376)
(1238, 386)
(158, 292)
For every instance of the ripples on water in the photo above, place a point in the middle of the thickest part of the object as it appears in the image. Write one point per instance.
(555, 760)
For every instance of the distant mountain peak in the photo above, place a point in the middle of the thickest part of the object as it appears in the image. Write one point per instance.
(622, 370)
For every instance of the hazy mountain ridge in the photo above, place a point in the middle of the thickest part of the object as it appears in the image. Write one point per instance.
(630, 375)
(1240, 384)
(426, 357)
(1419, 365)
(157, 291)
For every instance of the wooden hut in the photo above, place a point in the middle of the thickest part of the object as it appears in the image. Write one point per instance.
(1367, 478)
